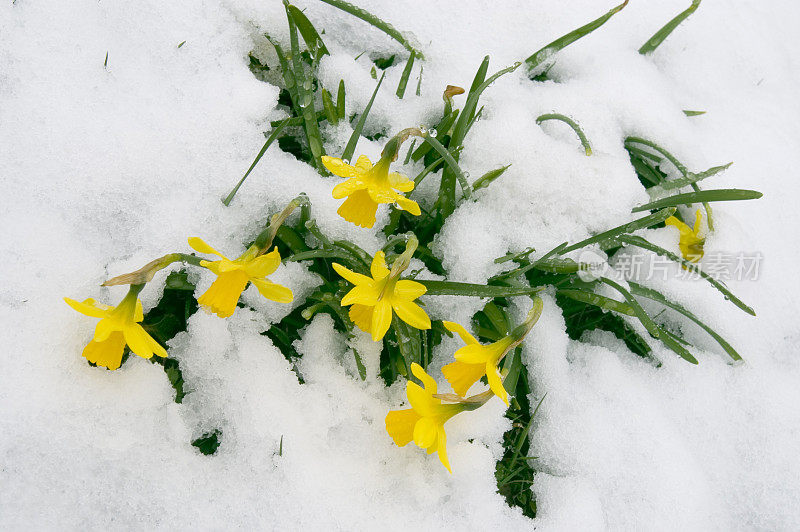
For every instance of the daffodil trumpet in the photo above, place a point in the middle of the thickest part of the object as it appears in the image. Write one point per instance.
(375, 298)
(118, 327)
(475, 360)
(423, 423)
(692, 239)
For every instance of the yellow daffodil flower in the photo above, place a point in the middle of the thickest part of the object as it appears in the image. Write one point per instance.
(374, 298)
(118, 327)
(424, 421)
(233, 276)
(475, 360)
(368, 186)
(691, 243)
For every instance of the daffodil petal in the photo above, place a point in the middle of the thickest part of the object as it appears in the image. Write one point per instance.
(407, 205)
(212, 265)
(682, 227)
(420, 399)
(138, 313)
(359, 209)
(400, 182)
(137, 340)
(408, 290)
(462, 376)
(361, 316)
(273, 291)
(425, 432)
(89, 307)
(496, 383)
(441, 448)
(351, 276)
(199, 245)
(362, 294)
(428, 381)
(381, 319)
(264, 265)
(338, 167)
(400, 425)
(473, 354)
(412, 314)
(363, 163)
(350, 186)
(459, 329)
(107, 353)
(378, 268)
(381, 195)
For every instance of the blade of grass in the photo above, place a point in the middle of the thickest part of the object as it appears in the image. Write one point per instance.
(340, 95)
(629, 227)
(486, 179)
(659, 36)
(274, 135)
(310, 35)
(693, 113)
(649, 324)
(654, 295)
(306, 98)
(644, 244)
(703, 196)
(452, 288)
(369, 18)
(401, 87)
(691, 178)
(351, 144)
(571, 123)
(603, 302)
(565, 40)
(524, 435)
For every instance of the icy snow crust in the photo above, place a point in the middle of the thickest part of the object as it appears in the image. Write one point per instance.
(103, 170)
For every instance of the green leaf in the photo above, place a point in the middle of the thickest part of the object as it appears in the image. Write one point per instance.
(605, 303)
(693, 113)
(368, 17)
(340, 96)
(688, 180)
(274, 135)
(330, 109)
(644, 244)
(565, 40)
(703, 196)
(486, 179)
(209, 442)
(654, 330)
(659, 36)
(571, 123)
(305, 103)
(350, 149)
(654, 295)
(401, 87)
(309, 33)
(629, 227)
(452, 288)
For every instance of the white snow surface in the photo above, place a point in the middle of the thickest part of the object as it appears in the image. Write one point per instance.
(103, 169)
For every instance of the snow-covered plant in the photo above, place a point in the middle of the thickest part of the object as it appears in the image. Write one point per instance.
(377, 293)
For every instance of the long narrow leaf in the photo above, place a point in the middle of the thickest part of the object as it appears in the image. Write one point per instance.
(703, 196)
(644, 244)
(629, 227)
(451, 288)
(274, 135)
(401, 86)
(565, 40)
(350, 149)
(653, 295)
(368, 17)
(659, 36)
(571, 123)
(603, 302)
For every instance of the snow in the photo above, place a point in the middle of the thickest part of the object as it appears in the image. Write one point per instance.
(104, 169)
